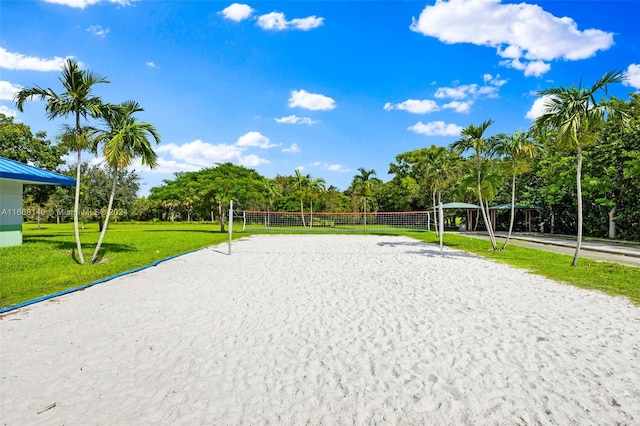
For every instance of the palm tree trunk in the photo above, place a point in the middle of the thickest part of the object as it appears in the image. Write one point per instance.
(302, 214)
(612, 213)
(612, 222)
(435, 215)
(487, 223)
(440, 202)
(365, 213)
(579, 194)
(106, 218)
(76, 208)
(513, 209)
(221, 215)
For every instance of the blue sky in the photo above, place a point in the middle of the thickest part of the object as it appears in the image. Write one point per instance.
(324, 86)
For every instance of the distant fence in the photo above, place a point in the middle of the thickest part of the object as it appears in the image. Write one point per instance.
(265, 221)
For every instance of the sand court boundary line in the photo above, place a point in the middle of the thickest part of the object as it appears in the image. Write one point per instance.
(44, 298)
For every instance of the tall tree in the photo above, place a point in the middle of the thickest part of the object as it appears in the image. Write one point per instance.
(577, 116)
(271, 192)
(228, 181)
(124, 140)
(473, 139)
(99, 182)
(613, 168)
(78, 100)
(301, 184)
(19, 143)
(363, 184)
(516, 148)
(315, 187)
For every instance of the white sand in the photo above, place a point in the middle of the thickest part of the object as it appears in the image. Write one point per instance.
(323, 329)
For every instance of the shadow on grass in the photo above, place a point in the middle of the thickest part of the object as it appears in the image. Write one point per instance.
(205, 231)
(71, 245)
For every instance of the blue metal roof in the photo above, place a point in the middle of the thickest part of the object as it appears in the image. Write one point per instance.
(14, 170)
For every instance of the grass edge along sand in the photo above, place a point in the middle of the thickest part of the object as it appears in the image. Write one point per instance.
(45, 264)
(611, 278)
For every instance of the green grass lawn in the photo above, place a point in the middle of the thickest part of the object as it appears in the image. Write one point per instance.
(46, 263)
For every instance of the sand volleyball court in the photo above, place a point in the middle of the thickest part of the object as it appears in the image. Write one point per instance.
(323, 329)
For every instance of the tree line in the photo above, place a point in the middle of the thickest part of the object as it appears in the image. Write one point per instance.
(579, 165)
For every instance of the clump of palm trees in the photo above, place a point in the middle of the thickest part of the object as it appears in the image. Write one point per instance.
(575, 117)
(310, 188)
(123, 138)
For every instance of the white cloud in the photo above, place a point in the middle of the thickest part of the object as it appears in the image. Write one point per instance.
(436, 128)
(273, 21)
(494, 81)
(459, 92)
(98, 30)
(414, 106)
(311, 101)
(307, 23)
(466, 91)
(525, 35)
(7, 111)
(277, 21)
(292, 148)
(533, 68)
(197, 154)
(81, 4)
(7, 90)
(165, 166)
(254, 139)
(203, 154)
(18, 61)
(150, 64)
(538, 108)
(458, 106)
(294, 119)
(330, 167)
(632, 77)
(252, 160)
(237, 12)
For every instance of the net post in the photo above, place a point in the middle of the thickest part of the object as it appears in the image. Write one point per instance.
(230, 223)
(441, 225)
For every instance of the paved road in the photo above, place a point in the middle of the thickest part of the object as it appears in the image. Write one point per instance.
(626, 254)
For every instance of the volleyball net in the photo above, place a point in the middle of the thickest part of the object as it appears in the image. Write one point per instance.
(266, 221)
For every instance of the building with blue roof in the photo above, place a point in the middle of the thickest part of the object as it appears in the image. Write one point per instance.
(13, 176)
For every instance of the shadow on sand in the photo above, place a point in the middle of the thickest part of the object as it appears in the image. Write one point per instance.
(424, 249)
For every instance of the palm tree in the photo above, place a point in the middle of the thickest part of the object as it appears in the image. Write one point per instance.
(516, 148)
(473, 138)
(124, 140)
(77, 99)
(315, 187)
(301, 184)
(576, 115)
(272, 192)
(362, 184)
(439, 172)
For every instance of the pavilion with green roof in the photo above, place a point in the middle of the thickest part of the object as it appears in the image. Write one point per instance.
(13, 177)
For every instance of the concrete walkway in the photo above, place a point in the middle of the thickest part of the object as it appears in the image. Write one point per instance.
(604, 251)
